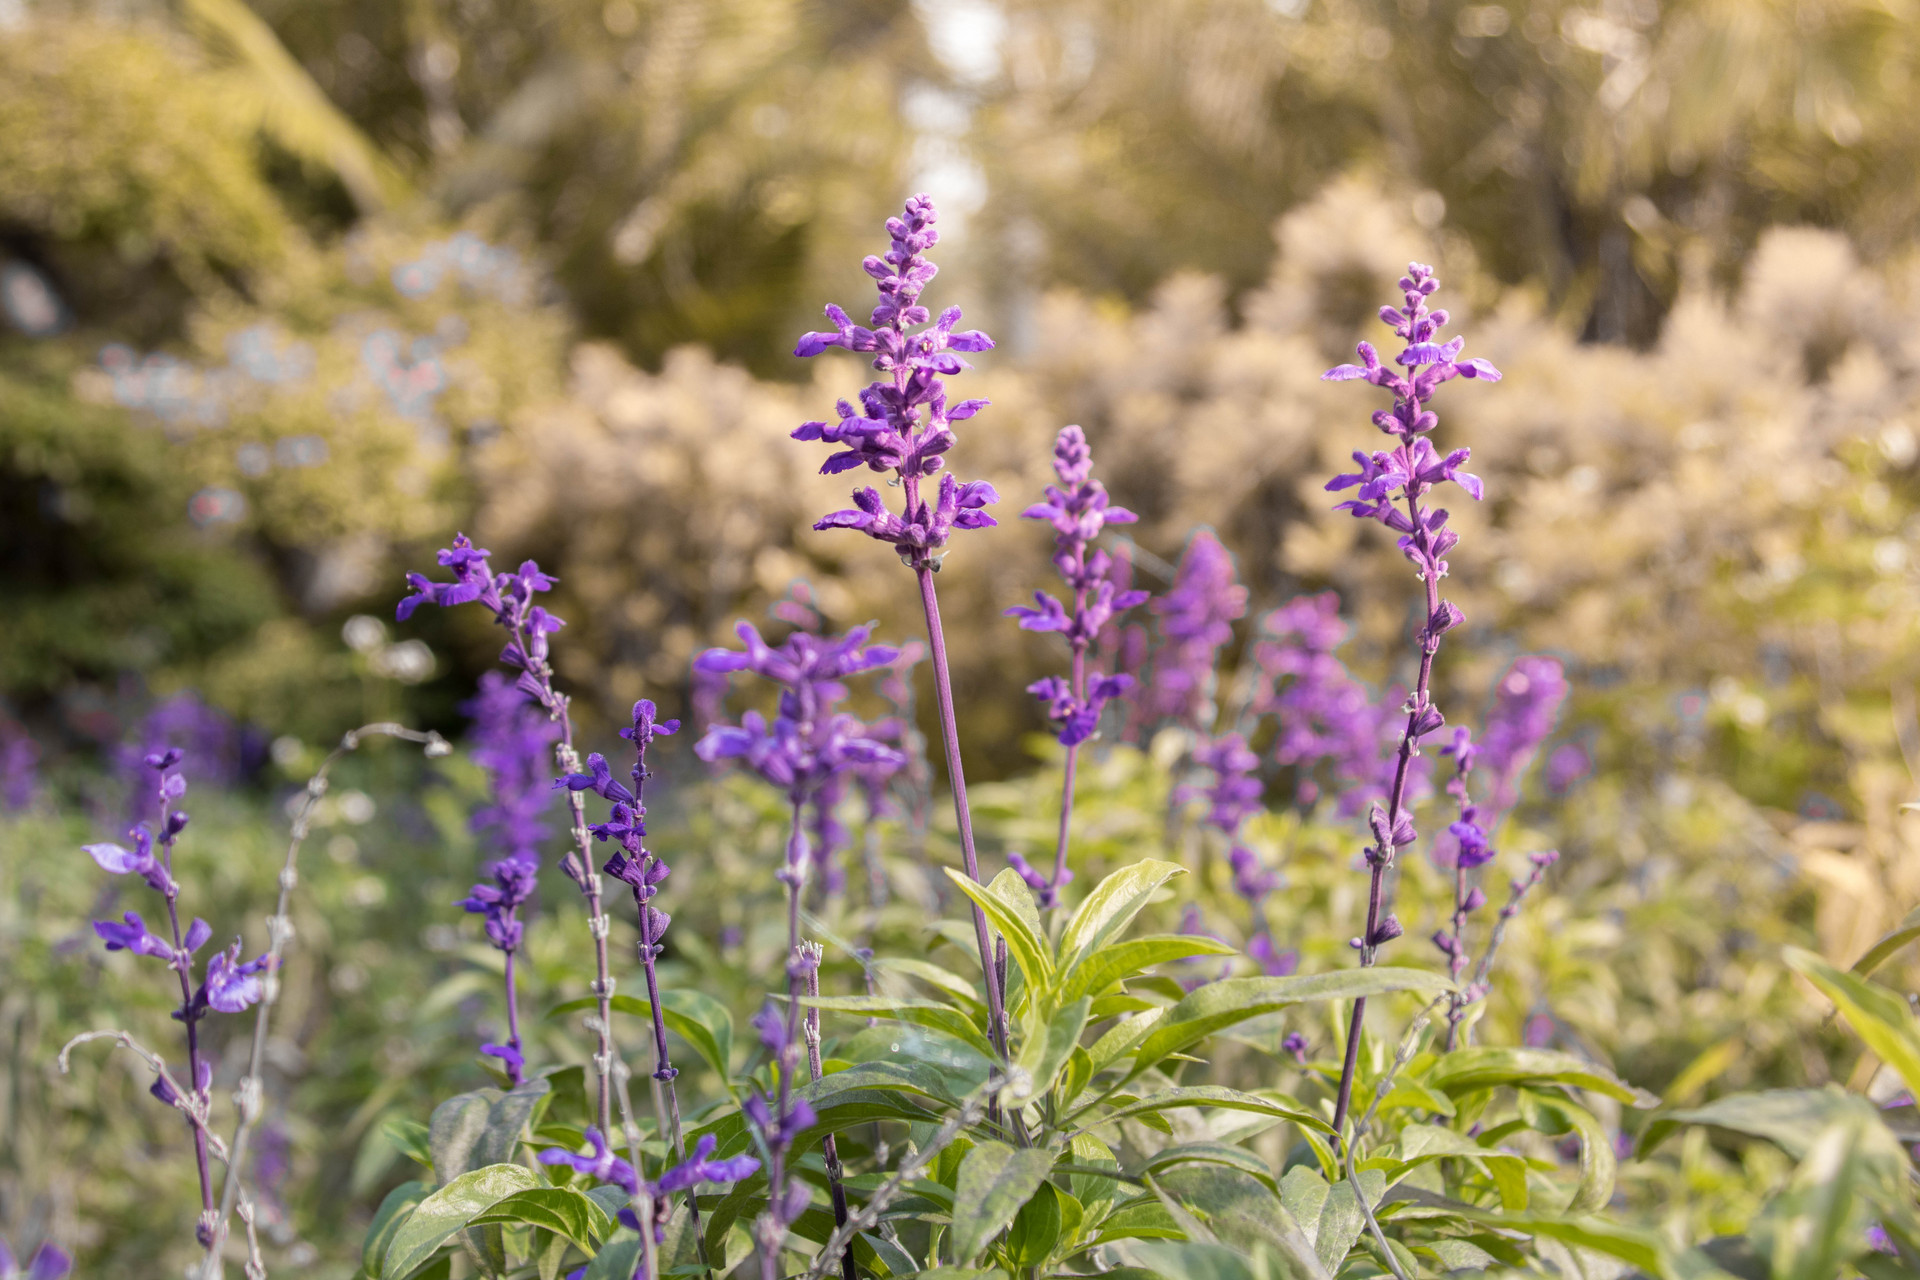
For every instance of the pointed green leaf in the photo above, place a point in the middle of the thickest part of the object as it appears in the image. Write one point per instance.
(618, 1259)
(921, 1013)
(1213, 1096)
(1121, 1037)
(1233, 1000)
(1882, 951)
(391, 1216)
(564, 1211)
(934, 976)
(1789, 1118)
(1043, 1055)
(1111, 907)
(1633, 1245)
(1101, 969)
(1878, 1016)
(1024, 943)
(447, 1211)
(698, 1019)
(481, 1128)
(411, 1139)
(995, 1180)
(1467, 1071)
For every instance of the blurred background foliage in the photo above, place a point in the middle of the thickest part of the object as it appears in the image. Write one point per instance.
(294, 290)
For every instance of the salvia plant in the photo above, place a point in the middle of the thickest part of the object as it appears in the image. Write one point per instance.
(1073, 1099)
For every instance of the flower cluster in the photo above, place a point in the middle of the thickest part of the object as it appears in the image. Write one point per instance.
(631, 863)
(600, 1163)
(1196, 620)
(513, 742)
(1078, 509)
(1328, 723)
(807, 742)
(229, 985)
(903, 423)
(1526, 703)
(509, 598)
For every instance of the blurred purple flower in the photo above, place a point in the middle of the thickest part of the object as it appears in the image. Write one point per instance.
(1526, 703)
(598, 1163)
(1196, 619)
(50, 1262)
(513, 742)
(1567, 766)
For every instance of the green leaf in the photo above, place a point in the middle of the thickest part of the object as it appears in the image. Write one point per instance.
(1878, 1016)
(698, 1019)
(931, 1014)
(1042, 1056)
(1233, 1000)
(1211, 1153)
(1102, 968)
(1632, 1245)
(1882, 951)
(1094, 1192)
(410, 1138)
(1121, 1038)
(389, 1218)
(1036, 1228)
(1111, 907)
(1074, 1080)
(480, 1128)
(449, 1210)
(564, 1211)
(1214, 1096)
(995, 1180)
(1467, 1071)
(1598, 1165)
(1816, 1225)
(1191, 1260)
(934, 976)
(1024, 943)
(1421, 1143)
(618, 1259)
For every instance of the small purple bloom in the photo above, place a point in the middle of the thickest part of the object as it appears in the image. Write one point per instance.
(134, 936)
(1296, 1044)
(599, 1163)
(138, 860)
(232, 986)
(702, 1167)
(50, 1262)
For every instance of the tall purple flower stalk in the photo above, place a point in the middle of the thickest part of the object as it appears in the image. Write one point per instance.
(1078, 510)
(509, 597)
(642, 871)
(1196, 619)
(1386, 482)
(228, 985)
(904, 425)
(513, 743)
(206, 737)
(802, 750)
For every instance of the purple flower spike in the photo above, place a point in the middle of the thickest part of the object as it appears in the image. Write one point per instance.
(903, 423)
(1389, 486)
(1196, 619)
(1526, 704)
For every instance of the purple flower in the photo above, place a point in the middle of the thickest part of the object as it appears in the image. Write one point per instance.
(19, 767)
(513, 743)
(1235, 793)
(138, 860)
(807, 742)
(232, 986)
(903, 422)
(599, 1163)
(1046, 893)
(514, 880)
(1296, 1044)
(1273, 962)
(1078, 510)
(201, 737)
(510, 1057)
(1196, 619)
(1526, 703)
(1567, 765)
(49, 1263)
(702, 1167)
(134, 936)
(1329, 723)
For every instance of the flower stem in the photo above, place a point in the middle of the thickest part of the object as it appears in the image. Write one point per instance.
(196, 1113)
(513, 1019)
(829, 1149)
(943, 691)
(279, 933)
(1073, 755)
(1381, 855)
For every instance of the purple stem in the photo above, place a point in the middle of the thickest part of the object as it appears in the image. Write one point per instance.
(1381, 855)
(513, 1020)
(578, 864)
(943, 691)
(196, 1115)
(1073, 750)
